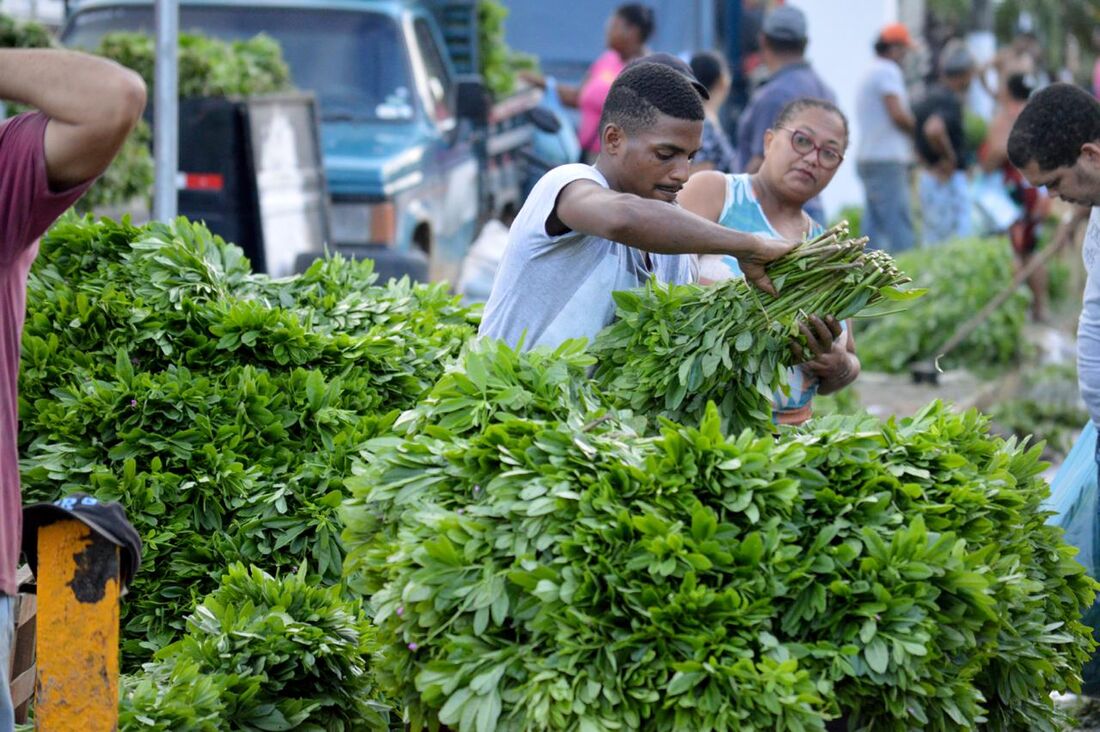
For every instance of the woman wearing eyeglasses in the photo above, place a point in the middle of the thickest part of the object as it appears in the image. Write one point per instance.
(801, 155)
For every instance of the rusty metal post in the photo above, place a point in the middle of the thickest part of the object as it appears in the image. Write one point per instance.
(78, 591)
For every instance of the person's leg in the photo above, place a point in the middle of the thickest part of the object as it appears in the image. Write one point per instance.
(7, 637)
(935, 209)
(960, 201)
(875, 224)
(900, 218)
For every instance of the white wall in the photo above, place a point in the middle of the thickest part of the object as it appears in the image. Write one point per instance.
(842, 34)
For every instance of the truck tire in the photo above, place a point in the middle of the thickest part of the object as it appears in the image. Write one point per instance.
(388, 263)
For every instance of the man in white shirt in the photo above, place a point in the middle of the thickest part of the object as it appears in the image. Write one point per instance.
(1056, 143)
(884, 150)
(586, 231)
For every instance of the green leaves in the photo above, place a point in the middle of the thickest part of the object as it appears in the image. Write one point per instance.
(674, 349)
(261, 653)
(222, 408)
(962, 276)
(538, 569)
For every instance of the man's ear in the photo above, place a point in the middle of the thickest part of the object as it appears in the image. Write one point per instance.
(1090, 153)
(613, 139)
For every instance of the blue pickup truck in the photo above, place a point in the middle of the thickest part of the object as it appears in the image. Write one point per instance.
(414, 154)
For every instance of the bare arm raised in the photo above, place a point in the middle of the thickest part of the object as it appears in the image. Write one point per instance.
(659, 227)
(92, 104)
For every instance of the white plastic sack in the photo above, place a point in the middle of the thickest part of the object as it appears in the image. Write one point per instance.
(995, 208)
(1073, 498)
(481, 263)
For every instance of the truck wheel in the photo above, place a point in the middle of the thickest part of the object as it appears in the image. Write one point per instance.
(422, 238)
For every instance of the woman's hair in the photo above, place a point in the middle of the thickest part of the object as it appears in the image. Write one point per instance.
(640, 16)
(793, 109)
(708, 68)
(1020, 86)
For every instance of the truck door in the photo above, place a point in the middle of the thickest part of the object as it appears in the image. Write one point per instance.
(451, 168)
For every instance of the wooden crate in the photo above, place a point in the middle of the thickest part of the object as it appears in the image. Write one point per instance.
(23, 665)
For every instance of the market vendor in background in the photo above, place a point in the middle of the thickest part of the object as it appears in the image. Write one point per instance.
(801, 155)
(628, 30)
(783, 40)
(1056, 143)
(1033, 203)
(586, 231)
(717, 151)
(941, 147)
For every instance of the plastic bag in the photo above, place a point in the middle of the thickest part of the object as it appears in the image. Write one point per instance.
(1073, 498)
(479, 269)
(996, 211)
(561, 147)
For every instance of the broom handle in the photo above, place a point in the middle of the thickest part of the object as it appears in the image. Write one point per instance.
(1062, 237)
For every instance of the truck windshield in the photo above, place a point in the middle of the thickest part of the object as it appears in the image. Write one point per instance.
(354, 62)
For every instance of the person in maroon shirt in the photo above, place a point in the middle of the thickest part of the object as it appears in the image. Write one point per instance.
(86, 106)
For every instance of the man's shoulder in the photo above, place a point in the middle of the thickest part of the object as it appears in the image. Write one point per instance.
(564, 174)
(801, 81)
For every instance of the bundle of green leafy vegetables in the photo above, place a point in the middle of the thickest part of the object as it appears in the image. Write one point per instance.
(966, 274)
(542, 565)
(261, 653)
(208, 68)
(674, 348)
(221, 408)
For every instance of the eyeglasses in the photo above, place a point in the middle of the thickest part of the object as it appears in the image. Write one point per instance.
(803, 144)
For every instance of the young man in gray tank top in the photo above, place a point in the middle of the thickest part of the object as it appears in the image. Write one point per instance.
(589, 230)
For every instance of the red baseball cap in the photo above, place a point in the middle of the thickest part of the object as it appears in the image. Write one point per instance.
(896, 33)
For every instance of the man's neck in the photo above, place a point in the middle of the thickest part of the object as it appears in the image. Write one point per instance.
(778, 63)
(603, 165)
(774, 207)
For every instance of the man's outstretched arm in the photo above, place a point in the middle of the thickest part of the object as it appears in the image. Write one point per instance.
(92, 104)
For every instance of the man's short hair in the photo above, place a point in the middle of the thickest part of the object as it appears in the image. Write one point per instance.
(647, 89)
(1053, 126)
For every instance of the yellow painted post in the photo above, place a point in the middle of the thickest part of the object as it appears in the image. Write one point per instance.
(78, 586)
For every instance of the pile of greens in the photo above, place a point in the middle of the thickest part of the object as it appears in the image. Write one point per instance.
(261, 653)
(208, 68)
(674, 348)
(221, 408)
(543, 565)
(1048, 409)
(966, 274)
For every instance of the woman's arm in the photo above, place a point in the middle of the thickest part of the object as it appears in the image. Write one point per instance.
(704, 194)
(569, 94)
